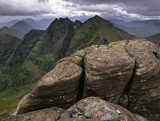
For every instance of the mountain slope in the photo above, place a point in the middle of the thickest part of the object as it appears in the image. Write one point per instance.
(9, 39)
(22, 26)
(15, 59)
(155, 39)
(96, 30)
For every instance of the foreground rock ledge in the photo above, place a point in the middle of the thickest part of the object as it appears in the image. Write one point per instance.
(124, 72)
(88, 109)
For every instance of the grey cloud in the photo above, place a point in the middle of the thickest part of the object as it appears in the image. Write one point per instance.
(10, 8)
(124, 8)
(142, 7)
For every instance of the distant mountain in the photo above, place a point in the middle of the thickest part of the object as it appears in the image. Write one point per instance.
(140, 28)
(38, 52)
(37, 24)
(32, 23)
(23, 27)
(116, 21)
(155, 39)
(8, 24)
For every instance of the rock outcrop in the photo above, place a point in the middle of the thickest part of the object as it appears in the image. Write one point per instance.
(58, 88)
(124, 72)
(88, 109)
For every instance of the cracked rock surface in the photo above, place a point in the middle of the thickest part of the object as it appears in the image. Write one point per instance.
(124, 72)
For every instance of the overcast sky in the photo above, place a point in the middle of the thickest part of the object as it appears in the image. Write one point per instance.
(141, 9)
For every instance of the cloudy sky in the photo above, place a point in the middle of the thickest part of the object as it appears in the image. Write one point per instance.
(141, 9)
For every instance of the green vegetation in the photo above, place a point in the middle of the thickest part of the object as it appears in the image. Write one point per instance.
(33, 73)
(16, 92)
(48, 57)
(11, 32)
(35, 49)
(10, 98)
(130, 54)
(7, 107)
(40, 59)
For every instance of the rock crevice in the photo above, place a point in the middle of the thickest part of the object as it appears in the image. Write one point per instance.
(126, 90)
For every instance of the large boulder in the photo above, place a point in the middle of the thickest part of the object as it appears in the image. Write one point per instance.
(144, 90)
(96, 109)
(58, 88)
(108, 70)
(125, 72)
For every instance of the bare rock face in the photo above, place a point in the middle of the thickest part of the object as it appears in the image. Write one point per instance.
(58, 88)
(96, 109)
(145, 88)
(108, 71)
(51, 114)
(124, 72)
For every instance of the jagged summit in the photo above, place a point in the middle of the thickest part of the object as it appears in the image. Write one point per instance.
(58, 24)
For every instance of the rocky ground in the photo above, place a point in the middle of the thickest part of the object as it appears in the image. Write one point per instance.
(125, 73)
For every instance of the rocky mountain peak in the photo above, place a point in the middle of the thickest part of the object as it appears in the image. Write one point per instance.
(57, 24)
(97, 19)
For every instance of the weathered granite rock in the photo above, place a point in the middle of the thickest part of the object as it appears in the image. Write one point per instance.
(51, 114)
(124, 72)
(145, 89)
(96, 109)
(127, 73)
(108, 70)
(58, 88)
